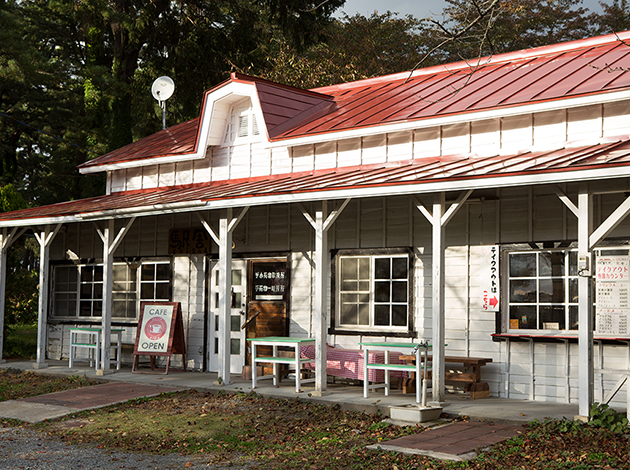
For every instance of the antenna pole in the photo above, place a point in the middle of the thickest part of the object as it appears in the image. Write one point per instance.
(163, 106)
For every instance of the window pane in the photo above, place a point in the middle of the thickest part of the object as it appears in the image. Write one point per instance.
(349, 286)
(349, 314)
(523, 290)
(364, 268)
(235, 346)
(522, 317)
(399, 268)
(551, 290)
(382, 291)
(236, 277)
(98, 291)
(364, 314)
(552, 317)
(163, 272)
(551, 264)
(381, 315)
(364, 286)
(235, 323)
(573, 317)
(147, 272)
(523, 265)
(573, 270)
(573, 290)
(97, 309)
(86, 291)
(86, 274)
(85, 309)
(382, 268)
(98, 273)
(119, 273)
(236, 299)
(349, 269)
(399, 315)
(399, 291)
(147, 292)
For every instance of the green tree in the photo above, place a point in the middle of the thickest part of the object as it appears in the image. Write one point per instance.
(615, 17)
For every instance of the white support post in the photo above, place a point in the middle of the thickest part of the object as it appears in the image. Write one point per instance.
(321, 281)
(438, 368)
(110, 244)
(225, 296)
(321, 223)
(585, 328)
(106, 318)
(45, 239)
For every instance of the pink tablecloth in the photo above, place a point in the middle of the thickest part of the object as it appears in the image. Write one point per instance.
(348, 363)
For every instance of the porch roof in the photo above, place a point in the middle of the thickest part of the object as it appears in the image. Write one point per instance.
(605, 159)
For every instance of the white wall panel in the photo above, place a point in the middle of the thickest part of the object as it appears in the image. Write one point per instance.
(349, 152)
(374, 150)
(616, 119)
(427, 143)
(201, 170)
(399, 146)
(550, 128)
(167, 175)
(516, 133)
(584, 123)
(134, 178)
(455, 139)
(150, 176)
(325, 155)
(485, 137)
(302, 158)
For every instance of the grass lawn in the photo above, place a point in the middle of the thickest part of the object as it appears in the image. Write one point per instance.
(262, 433)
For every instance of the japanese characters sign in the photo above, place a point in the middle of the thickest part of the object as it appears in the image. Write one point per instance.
(269, 280)
(155, 329)
(612, 302)
(489, 278)
(188, 241)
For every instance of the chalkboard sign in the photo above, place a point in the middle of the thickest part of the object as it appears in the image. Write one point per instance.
(189, 241)
(160, 332)
(269, 280)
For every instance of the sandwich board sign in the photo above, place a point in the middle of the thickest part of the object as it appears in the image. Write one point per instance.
(160, 332)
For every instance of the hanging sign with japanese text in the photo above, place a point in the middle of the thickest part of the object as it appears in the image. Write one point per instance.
(188, 241)
(489, 278)
(612, 290)
(269, 280)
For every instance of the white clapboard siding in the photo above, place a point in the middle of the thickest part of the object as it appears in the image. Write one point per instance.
(399, 146)
(167, 175)
(550, 128)
(486, 137)
(325, 155)
(201, 169)
(349, 152)
(584, 123)
(516, 133)
(150, 176)
(616, 119)
(302, 289)
(302, 158)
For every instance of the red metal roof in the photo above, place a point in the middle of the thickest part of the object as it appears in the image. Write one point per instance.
(573, 69)
(455, 168)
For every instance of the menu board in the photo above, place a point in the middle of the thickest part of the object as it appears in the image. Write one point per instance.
(612, 306)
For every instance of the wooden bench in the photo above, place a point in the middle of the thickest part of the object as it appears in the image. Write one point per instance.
(470, 376)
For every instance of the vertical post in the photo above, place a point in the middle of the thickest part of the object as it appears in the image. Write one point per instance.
(585, 328)
(321, 279)
(438, 390)
(3, 283)
(225, 296)
(106, 315)
(42, 309)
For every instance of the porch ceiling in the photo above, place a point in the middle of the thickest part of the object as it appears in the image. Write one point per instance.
(607, 159)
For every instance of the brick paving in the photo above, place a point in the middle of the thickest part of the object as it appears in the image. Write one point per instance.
(96, 396)
(458, 440)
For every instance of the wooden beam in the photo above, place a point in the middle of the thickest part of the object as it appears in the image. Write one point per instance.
(335, 214)
(321, 291)
(235, 221)
(121, 234)
(610, 223)
(452, 210)
(307, 216)
(209, 229)
(421, 207)
(567, 201)
(225, 296)
(585, 305)
(437, 314)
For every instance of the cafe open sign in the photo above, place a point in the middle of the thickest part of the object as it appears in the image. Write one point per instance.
(155, 329)
(269, 280)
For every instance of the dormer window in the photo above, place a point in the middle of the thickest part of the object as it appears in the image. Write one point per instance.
(241, 125)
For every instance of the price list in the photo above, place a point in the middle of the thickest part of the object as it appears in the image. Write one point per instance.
(612, 295)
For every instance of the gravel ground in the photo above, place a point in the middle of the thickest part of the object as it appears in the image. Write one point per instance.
(25, 449)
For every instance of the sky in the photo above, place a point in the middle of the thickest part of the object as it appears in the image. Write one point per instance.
(417, 8)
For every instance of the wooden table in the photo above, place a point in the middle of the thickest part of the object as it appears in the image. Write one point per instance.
(93, 343)
(419, 351)
(275, 342)
(471, 378)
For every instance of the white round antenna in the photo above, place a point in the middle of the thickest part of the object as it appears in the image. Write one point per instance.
(162, 89)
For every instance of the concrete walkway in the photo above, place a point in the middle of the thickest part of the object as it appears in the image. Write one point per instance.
(495, 419)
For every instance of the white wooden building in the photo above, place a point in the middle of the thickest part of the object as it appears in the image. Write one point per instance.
(384, 209)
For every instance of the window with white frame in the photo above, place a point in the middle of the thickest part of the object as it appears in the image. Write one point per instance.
(241, 125)
(78, 289)
(542, 290)
(373, 292)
